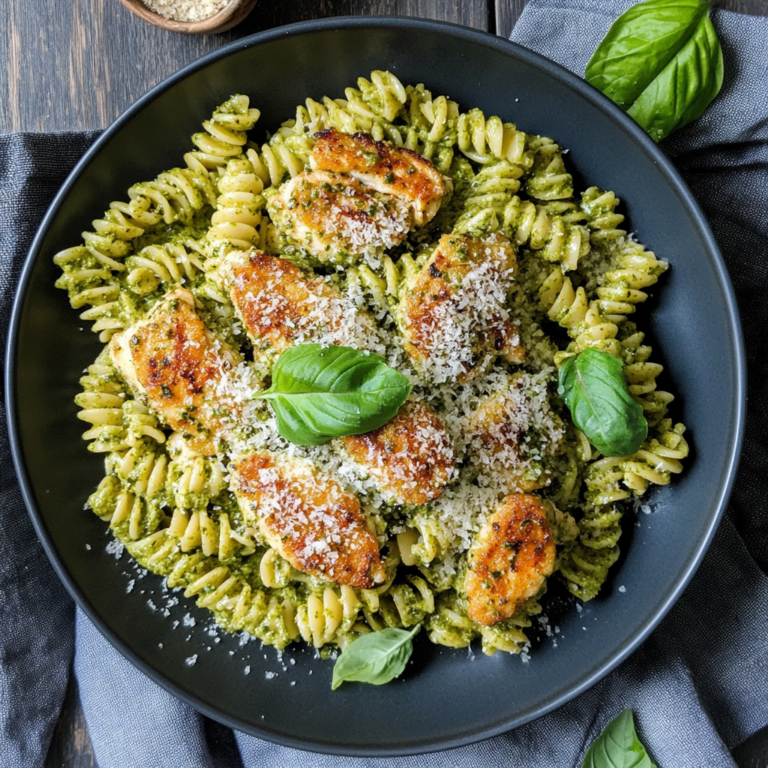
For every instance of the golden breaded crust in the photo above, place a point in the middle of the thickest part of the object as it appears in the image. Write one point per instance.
(510, 558)
(173, 360)
(275, 300)
(308, 518)
(333, 217)
(411, 456)
(395, 171)
(452, 311)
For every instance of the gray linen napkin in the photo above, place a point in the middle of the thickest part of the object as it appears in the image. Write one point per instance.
(698, 686)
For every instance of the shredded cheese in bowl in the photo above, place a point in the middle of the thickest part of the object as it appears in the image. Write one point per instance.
(186, 10)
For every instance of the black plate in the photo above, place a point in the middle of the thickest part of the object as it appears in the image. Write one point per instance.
(445, 699)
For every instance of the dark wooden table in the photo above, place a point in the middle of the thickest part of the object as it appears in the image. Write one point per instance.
(77, 64)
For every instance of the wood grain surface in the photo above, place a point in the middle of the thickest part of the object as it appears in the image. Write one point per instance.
(77, 64)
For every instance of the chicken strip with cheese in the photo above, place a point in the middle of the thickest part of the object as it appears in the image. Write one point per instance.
(170, 359)
(410, 457)
(308, 518)
(280, 305)
(394, 171)
(510, 558)
(334, 218)
(453, 311)
(513, 434)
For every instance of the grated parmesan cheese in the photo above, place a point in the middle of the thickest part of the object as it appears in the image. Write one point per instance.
(186, 10)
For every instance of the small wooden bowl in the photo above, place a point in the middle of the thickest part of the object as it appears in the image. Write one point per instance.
(229, 16)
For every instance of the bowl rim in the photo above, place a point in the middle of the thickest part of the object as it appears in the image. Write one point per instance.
(599, 101)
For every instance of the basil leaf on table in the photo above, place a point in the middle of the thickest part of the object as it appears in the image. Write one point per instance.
(318, 393)
(661, 62)
(374, 658)
(594, 388)
(618, 746)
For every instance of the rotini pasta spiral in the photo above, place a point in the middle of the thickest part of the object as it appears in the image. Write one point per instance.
(491, 204)
(278, 158)
(236, 605)
(117, 421)
(224, 136)
(571, 309)
(88, 276)
(431, 126)
(585, 564)
(449, 625)
(202, 516)
(383, 93)
(168, 265)
(615, 478)
(552, 230)
(602, 217)
(610, 480)
(94, 272)
(329, 616)
(507, 636)
(484, 140)
(624, 268)
(642, 374)
(435, 116)
(658, 458)
(548, 178)
(349, 115)
(195, 480)
(238, 207)
(208, 530)
(622, 286)
(589, 328)
(424, 540)
(130, 497)
(406, 603)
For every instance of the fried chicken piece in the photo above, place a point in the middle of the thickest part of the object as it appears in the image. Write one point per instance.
(379, 165)
(453, 314)
(173, 361)
(510, 558)
(308, 518)
(496, 430)
(333, 217)
(280, 305)
(410, 457)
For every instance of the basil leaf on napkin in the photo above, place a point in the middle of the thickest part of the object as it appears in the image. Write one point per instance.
(594, 388)
(618, 746)
(375, 658)
(318, 393)
(661, 62)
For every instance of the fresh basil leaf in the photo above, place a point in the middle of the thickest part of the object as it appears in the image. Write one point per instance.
(374, 658)
(661, 62)
(618, 746)
(318, 393)
(594, 388)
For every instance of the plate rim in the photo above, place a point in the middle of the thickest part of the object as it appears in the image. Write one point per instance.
(599, 101)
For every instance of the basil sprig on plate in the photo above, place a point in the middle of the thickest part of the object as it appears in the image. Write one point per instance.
(661, 62)
(375, 658)
(618, 746)
(594, 388)
(318, 393)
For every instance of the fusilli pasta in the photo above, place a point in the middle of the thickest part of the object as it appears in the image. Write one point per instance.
(573, 270)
